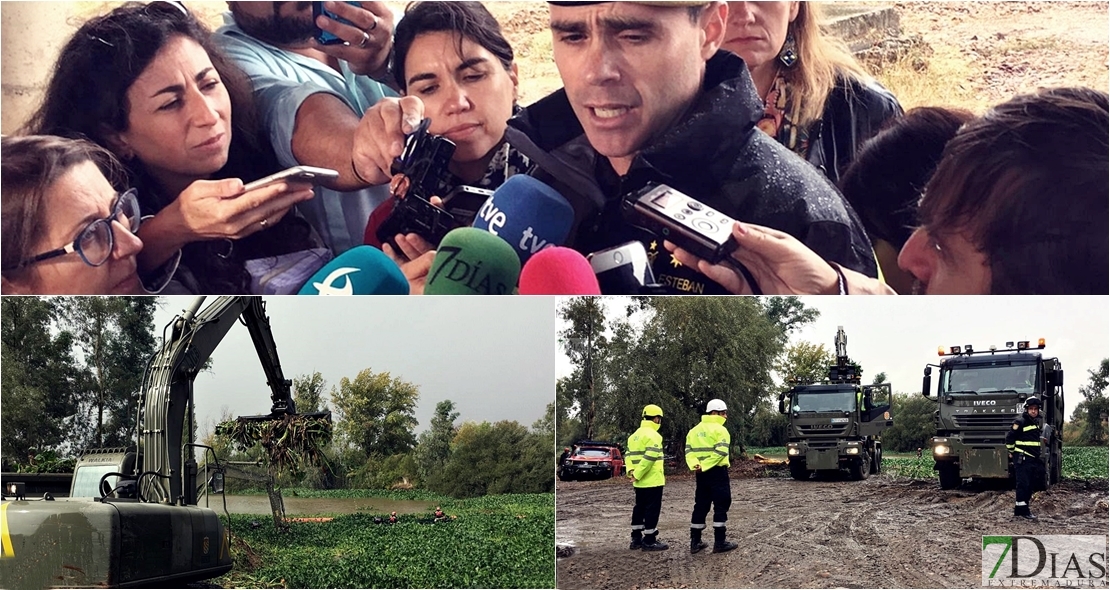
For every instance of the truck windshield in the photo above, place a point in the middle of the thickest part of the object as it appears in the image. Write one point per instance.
(990, 379)
(593, 453)
(831, 401)
(88, 477)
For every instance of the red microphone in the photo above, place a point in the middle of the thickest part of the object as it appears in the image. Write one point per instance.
(558, 271)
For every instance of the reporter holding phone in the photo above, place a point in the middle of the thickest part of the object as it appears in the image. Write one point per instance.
(144, 82)
(456, 68)
(310, 96)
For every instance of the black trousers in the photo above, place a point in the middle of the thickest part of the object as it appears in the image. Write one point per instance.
(645, 514)
(1026, 470)
(712, 488)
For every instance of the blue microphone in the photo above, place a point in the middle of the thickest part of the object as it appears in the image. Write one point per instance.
(529, 215)
(361, 271)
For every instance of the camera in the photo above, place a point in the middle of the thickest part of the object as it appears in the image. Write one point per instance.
(323, 37)
(622, 270)
(686, 222)
(418, 175)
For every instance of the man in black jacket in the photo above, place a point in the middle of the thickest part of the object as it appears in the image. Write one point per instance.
(1023, 440)
(648, 97)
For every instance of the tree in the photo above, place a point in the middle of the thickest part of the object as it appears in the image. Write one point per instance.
(433, 448)
(39, 378)
(879, 379)
(805, 362)
(499, 458)
(914, 424)
(115, 339)
(584, 343)
(1095, 406)
(377, 413)
(308, 393)
(789, 313)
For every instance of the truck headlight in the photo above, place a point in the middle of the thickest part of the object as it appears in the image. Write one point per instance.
(606, 464)
(793, 451)
(853, 450)
(941, 450)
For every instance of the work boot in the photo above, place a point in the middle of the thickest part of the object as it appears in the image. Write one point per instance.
(696, 544)
(637, 540)
(1023, 512)
(653, 544)
(720, 545)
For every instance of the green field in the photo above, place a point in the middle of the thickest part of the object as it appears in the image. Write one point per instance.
(491, 542)
(1079, 462)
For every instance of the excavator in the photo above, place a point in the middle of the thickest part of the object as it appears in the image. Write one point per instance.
(132, 518)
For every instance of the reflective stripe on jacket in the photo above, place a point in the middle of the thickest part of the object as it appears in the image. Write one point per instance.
(708, 443)
(1025, 436)
(645, 456)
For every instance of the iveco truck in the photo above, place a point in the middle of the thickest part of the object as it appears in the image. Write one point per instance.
(836, 424)
(979, 394)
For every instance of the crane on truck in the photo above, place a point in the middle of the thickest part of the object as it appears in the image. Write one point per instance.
(979, 394)
(836, 424)
(132, 518)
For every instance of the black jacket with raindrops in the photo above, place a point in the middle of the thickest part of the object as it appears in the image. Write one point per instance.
(716, 155)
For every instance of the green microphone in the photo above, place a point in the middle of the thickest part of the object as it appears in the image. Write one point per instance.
(471, 261)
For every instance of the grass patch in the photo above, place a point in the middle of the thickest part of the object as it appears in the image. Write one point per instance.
(403, 495)
(491, 542)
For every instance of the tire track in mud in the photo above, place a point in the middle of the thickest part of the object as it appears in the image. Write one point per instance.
(882, 532)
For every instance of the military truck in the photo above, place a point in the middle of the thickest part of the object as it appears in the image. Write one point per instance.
(132, 518)
(979, 394)
(836, 424)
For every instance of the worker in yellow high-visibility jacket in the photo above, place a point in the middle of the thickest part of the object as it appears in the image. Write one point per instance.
(707, 448)
(645, 468)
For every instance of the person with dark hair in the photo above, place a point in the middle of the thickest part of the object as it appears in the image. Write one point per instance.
(66, 231)
(1017, 205)
(311, 97)
(454, 67)
(649, 97)
(145, 82)
(885, 182)
(818, 101)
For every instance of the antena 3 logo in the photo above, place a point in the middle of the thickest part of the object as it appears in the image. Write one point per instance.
(1045, 561)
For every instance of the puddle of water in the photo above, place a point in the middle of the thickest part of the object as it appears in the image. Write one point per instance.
(295, 506)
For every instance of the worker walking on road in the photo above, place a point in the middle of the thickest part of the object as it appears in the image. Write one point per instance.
(707, 448)
(1023, 440)
(645, 468)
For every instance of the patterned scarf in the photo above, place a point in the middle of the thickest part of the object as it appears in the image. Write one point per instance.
(778, 123)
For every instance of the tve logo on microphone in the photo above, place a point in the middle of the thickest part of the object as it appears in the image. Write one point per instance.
(495, 220)
(528, 215)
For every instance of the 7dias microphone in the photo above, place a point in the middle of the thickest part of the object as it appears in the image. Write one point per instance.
(361, 271)
(528, 215)
(558, 271)
(471, 261)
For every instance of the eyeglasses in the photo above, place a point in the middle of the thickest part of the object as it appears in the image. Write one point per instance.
(95, 243)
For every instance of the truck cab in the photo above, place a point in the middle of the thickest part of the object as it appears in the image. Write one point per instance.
(836, 424)
(979, 395)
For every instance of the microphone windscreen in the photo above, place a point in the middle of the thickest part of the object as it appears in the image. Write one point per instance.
(360, 271)
(471, 261)
(558, 271)
(528, 215)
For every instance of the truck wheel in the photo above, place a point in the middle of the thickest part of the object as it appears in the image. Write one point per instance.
(949, 476)
(861, 468)
(798, 470)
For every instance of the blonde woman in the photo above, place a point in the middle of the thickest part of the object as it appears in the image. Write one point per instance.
(818, 101)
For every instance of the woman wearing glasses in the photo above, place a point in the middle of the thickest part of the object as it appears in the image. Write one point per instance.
(144, 82)
(65, 229)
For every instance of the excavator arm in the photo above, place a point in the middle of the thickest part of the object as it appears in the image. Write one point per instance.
(167, 393)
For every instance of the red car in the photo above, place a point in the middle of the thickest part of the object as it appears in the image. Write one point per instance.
(592, 460)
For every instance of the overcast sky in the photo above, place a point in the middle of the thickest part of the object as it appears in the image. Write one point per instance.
(492, 356)
(900, 335)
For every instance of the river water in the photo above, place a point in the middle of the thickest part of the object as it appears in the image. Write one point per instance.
(295, 506)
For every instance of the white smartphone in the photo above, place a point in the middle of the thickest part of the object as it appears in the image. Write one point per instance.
(309, 174)
(623, 270)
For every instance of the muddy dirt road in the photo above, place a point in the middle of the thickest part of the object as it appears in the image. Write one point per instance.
(884, 532)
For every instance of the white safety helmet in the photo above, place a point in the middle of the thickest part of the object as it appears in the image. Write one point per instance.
(716, 405)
